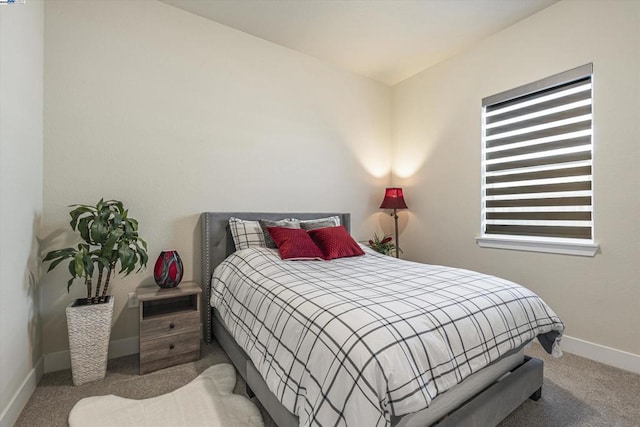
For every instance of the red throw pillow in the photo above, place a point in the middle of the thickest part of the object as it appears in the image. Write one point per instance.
(335, 242)
(294, 243)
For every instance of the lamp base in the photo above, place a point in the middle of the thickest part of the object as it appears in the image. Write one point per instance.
(395, 218)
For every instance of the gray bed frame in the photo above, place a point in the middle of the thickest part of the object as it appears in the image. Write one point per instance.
(487, 408)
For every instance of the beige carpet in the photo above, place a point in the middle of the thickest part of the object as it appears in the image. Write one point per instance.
(576, 392)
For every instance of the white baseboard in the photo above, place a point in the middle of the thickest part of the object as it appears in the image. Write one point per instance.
(60, 360)
(51, 362)
(609, 356)
(17, 403)
(600, 353)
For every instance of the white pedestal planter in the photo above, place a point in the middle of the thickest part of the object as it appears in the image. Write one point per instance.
(89, 331)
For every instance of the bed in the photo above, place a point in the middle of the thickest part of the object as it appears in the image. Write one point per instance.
(481, 397)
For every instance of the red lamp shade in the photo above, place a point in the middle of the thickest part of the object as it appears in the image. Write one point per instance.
(393, 199)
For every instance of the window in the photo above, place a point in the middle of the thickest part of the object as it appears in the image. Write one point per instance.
(537, 166)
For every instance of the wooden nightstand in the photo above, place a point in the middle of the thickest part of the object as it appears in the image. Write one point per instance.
(169, 325)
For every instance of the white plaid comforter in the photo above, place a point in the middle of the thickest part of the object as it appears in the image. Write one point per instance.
(354, 341)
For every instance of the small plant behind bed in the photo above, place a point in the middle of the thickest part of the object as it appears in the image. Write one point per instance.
(383, 245)
(110, 237)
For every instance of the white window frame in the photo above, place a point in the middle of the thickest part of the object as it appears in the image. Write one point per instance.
(561, 245)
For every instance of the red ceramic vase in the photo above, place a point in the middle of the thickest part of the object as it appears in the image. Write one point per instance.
(168, 269)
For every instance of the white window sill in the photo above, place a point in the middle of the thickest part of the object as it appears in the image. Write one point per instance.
(566, 248)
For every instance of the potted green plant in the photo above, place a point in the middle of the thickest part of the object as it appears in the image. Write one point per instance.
(110, 237)
(383, 245)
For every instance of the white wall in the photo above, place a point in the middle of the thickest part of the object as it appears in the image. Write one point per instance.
(175, 115)
(21, 32)
(437, 154)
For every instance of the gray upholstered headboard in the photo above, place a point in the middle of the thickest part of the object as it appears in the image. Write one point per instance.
(217, 244)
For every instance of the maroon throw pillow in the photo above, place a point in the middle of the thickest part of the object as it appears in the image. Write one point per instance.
(294, 243)
(335, 242)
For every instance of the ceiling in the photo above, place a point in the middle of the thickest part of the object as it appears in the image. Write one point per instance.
(386, 40)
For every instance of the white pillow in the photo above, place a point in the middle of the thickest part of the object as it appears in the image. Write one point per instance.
(311, 224)
(246, 234)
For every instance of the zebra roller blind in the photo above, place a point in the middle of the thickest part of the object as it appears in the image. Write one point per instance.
(538, 159)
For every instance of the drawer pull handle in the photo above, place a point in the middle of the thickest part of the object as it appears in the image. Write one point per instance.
(171, 346)
(172, 325)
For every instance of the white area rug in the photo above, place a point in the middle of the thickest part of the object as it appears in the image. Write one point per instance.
(206, 401)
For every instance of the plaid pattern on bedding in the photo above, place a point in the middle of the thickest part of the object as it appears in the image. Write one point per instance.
(246, 234)
(354, 341)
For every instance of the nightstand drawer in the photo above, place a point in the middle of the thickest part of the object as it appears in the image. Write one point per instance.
(170, 324)
(169, 328)
(169, 346)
